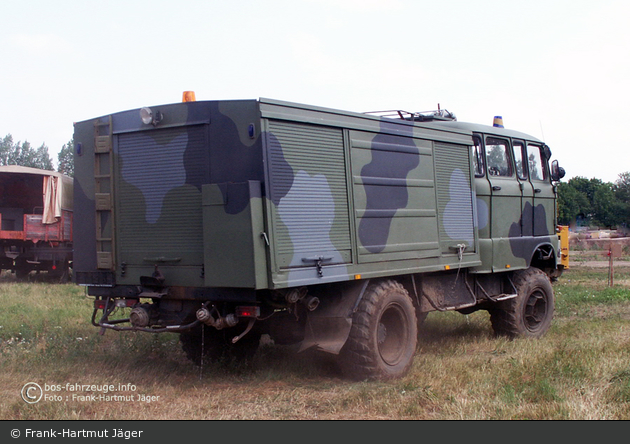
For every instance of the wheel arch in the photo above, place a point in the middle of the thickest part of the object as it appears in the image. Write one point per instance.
(545, 257)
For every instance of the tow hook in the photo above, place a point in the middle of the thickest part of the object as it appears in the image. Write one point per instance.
(235, 339)
(204, 315)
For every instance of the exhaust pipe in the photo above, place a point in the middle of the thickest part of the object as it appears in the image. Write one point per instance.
(311, 303)
(296, 295)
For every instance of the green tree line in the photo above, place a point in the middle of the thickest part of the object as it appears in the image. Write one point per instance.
(593, 202)
(24, 154)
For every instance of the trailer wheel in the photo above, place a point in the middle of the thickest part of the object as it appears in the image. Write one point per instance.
(530, 313)
(216, 346)
(383, 337)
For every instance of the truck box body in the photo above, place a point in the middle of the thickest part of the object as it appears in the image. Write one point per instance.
(36, 220)
(267, 194)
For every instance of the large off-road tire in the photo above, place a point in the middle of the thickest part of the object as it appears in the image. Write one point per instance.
(531, 312)
(383, 337)
(216, 346)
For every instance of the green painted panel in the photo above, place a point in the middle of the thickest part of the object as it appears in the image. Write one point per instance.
(158, 214)
(308, 187)
(394, 197)
(455, 197)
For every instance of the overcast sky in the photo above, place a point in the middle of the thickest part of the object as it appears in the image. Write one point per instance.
(558, 70)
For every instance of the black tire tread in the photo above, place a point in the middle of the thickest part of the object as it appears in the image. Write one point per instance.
(358, 359)
(506, 316)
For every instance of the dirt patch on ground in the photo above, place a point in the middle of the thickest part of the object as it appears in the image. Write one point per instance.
(596, 253)
(599, 264)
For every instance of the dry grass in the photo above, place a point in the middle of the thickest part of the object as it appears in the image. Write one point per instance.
(579, 371)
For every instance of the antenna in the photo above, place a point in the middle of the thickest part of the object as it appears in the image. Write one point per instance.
(541, 131)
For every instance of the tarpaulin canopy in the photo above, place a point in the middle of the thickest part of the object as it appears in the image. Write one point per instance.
(57, 190)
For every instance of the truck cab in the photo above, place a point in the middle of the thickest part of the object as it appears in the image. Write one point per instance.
(515, 198)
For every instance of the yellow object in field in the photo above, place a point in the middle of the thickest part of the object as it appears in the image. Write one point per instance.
(564, 245)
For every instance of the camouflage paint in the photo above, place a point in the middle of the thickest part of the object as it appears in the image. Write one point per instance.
(523, 245)
(483, 213)
(296, 201)
(154, 187)
(269, 195)
(386, 200)
(458, 200)
(515, 215)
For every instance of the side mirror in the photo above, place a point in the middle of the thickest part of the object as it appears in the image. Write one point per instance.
(557, 172)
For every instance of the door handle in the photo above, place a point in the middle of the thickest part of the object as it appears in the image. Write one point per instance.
(318, 262)
(537, 190)
(496, 188)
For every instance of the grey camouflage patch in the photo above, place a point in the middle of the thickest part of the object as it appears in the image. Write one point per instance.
(458, 209)
(298, 207)
(154, 187)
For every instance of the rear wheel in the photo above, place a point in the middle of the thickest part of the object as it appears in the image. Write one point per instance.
(530, 313)
(383, 337)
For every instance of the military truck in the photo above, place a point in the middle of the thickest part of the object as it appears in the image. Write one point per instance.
(227, 220)
(36, 219)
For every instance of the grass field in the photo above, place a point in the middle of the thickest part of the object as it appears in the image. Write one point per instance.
(579, 371)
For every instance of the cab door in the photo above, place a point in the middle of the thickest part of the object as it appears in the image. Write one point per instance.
(505, 200)
(483, 203)
(544, 193)
(527, 190)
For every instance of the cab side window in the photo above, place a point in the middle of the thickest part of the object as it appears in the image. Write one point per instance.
(478, 158)
(498, 157)
(535, 162)
(520, 157)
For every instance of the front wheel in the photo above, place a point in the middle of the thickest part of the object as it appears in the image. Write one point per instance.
(383, 337)
(529, 314)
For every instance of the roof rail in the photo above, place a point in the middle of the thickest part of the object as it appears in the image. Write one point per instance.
(422, 116)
